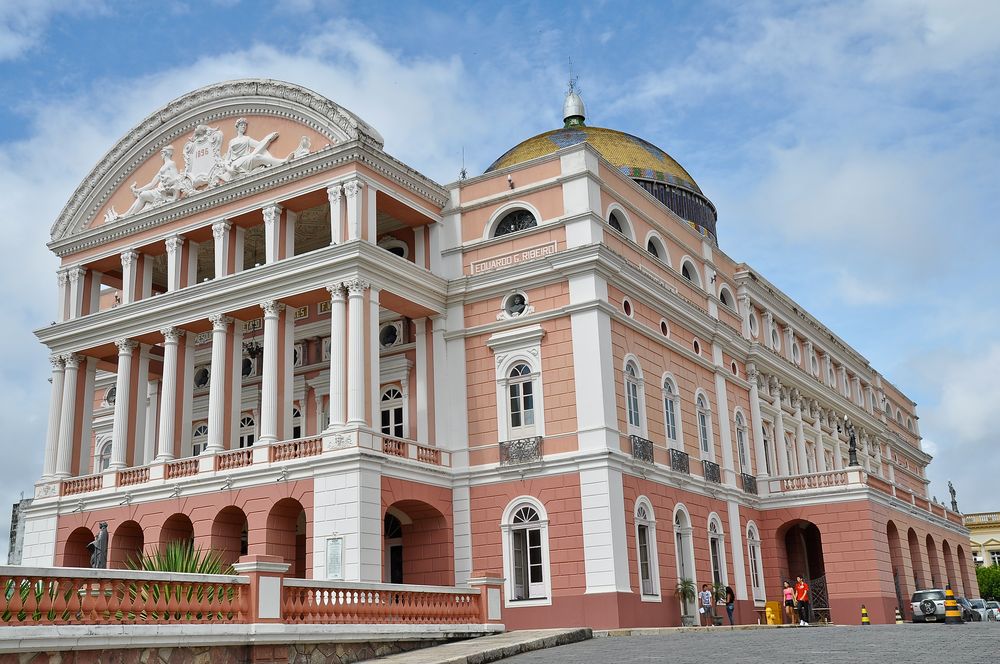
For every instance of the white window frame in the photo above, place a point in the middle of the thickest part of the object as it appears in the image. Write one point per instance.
(705, 434)
(662, 255)
(718, 536)
(684, 547)
(676, 441)
(246, 429)
(635, 397)
(392, 406)
(503, 211)
(645, 518)
(199, 441)
(742, 441)
(756, 563)
(297, 421)
(511, 347)
(695, 272)
(507, 528)
(731, 305)
(104, 452)
(623, 218)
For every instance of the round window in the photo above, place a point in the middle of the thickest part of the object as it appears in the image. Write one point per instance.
(775, 340)
(109, 396)
(754, 326)
(515, 304)
(388, 336)
(664, 328)
(697, 347)
(201, 377)
(736, 369)
(796, 353)
(815, 366)
(627, 307)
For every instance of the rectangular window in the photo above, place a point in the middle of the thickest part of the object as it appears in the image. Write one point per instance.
(632, 393)
(995, 557)
(671, 418)
(644, 571)
(754, 572)
(742, 448)
(716, 560)
(703, 430)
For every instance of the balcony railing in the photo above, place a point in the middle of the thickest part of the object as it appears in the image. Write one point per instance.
(131, 476)
(180, 468)
(410, 449)
(83, 484)
(680, 461)
(520, 450)
(711, 471)
(296, 449)
(749, 483)
(234, 459)
(642, 449)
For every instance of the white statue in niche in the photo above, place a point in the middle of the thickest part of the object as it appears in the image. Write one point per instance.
(245, 154)
(165, 187)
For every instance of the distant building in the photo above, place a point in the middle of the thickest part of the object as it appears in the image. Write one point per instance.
(17, 531)
(274, 337)
(984, 531)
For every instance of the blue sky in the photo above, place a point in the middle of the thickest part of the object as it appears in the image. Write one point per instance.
(851, 148)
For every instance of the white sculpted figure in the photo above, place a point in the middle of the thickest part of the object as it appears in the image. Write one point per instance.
(246, 155)
(163, 188)
(300, 151)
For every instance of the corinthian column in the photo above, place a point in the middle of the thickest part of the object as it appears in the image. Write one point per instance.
(272, 227)
(352, 190)
(338, 355)
(269, 380)
(168, 394)
(217, 384)
(356, 383)
(756, 424)
(129, 286)
(55, 415)
(119, 431)
(333, 192)
(220, 233)
(174, 244)
(800, 436)
(67, 424)
(780, 448)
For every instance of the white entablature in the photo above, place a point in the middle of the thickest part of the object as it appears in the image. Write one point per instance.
(184, 121)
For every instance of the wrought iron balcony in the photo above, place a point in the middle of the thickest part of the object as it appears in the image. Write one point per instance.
(711, 471)
(680, 461)
(642, 449)
(520, 450)
(749, 483)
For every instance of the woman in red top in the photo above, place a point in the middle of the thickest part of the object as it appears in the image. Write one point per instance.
(802, 600)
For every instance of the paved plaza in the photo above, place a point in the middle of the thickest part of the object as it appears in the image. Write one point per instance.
(882, 644)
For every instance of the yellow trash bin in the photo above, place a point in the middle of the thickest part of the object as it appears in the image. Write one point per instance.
(773, 612)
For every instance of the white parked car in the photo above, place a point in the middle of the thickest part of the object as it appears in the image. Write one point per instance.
(980, 607)
(993, 611)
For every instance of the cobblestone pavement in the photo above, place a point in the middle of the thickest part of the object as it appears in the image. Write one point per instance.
(878, 644)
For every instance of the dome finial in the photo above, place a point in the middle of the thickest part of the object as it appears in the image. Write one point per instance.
(574, 112)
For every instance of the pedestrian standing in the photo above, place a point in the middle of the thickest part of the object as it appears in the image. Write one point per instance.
(706, 604)
(802, 600)
(789, 594)
(730, 603)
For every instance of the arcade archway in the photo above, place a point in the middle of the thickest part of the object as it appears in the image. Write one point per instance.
(803, 546)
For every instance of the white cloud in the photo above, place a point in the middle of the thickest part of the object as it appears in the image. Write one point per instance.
(22, 23)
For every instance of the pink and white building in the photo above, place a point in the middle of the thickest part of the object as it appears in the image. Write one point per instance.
(274, 338)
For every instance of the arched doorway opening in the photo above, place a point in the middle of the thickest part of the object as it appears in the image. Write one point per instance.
(229, 534)
(951, 578)
(684, 549)
(177, 528)
(126, 545)
(75, 552)
(963, 570)
(286, 535)
(803, 547)
(416, 549)
(916, 560)
(935, 563)
(898, 569)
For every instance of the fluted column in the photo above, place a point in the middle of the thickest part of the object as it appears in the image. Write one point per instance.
(779, 433)
(800, 437)
(62, 283)
(220, 233)
(756, 423)
(77, 278)
(174, 244)
(55, 415)
(67, 423)
(119, 431)
(352, 190)
(269, 379)
(217, 384)
(820, 445)
(333, 192)
(356, 383)
(168, 394)
(338, 355)
(272, 227)
(129, 259)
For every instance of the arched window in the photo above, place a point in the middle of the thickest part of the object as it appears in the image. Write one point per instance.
(726, 297)
(633, 396)
(717, 550)
(741, 443)
(689, 272)
(521, 397)
(899, 417)
(614, 220)
(248, 428)
(756, 568)
(888, 409)
(651, 248)
(670, 418)
(392, 413)
(767, 449)
(296, 423)
(514, 221)
(645, 544)
(526, 552)
(104, 457)
(704, 425)
(199, 439)
(684, 550)
(909, 424)
(109, 396)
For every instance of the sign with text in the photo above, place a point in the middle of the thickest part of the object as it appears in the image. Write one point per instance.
(513, 258)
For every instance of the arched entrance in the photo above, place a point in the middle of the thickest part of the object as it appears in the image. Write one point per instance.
(684, 548)
(935, 563)
(803, 546)
(963, 570)
(951, 577)
(177, 528)
(286, 535)
(126, 545)
(229, 534)
(416, 539)
(916, 560)
(75, 552)
(898, 568)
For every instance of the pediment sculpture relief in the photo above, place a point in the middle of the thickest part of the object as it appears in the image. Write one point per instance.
(205, 166)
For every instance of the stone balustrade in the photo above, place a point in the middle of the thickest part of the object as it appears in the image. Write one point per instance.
(331, 602)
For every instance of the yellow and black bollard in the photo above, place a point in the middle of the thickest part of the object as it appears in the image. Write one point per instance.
(952, 614)
(899, 617)
(865, 620)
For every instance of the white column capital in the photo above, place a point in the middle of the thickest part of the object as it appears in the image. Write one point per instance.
(272, 213)
(128, 257)
(220, 322)
(172, 334)
(173, 243)
(356, 287)
(336, 291)
(72, 360)
(220, 228)
(334, 192)
(57, 362)
(126, 346)
(272, 308)
(352, 188)
(74, 274)
(62, 277)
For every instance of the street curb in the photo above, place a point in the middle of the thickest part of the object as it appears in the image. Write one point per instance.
(492, 648)
(660, 631)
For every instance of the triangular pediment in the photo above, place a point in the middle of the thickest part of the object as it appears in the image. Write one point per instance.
(194, 144)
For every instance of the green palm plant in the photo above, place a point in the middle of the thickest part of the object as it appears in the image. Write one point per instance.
(180, 557)
(686, 591)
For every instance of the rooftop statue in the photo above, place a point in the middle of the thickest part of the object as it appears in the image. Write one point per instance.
(165, 187)
(245, 154)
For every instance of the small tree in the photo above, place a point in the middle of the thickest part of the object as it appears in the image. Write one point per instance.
(989, 581)
(686, 592)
